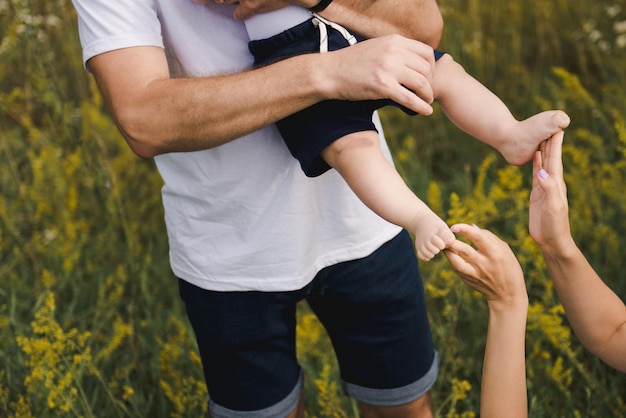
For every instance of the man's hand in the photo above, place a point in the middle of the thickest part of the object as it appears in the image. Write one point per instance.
(388, 67)
(391, 67)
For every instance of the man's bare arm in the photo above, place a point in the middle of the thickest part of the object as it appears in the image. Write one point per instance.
(157, 114)
(415, 19)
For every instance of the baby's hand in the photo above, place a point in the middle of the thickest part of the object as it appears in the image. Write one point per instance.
(432, 236)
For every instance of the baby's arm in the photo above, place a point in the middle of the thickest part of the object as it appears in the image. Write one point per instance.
(476, 110)
(360, 161)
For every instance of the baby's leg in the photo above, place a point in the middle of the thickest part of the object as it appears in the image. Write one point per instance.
(359, 160)
(477, 111)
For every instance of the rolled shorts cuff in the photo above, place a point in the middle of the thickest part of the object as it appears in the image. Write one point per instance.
(395, 396)
(281, 409)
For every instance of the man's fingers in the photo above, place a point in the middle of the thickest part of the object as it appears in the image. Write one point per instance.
(243, 13)
(420, 68)
(412, 99)
(422, 59)
(405, 69)
(249, 8)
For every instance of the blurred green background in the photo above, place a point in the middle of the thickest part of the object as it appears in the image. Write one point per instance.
(90, 322)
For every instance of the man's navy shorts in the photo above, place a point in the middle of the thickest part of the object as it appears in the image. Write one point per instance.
(309, 131)
(372, 308)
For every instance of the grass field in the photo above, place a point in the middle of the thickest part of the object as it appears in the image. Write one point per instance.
(90, 323)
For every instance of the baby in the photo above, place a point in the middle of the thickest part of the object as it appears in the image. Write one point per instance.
(341, 134)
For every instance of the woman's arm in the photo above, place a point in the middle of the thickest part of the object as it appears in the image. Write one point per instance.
(492, 269)
(597, 315)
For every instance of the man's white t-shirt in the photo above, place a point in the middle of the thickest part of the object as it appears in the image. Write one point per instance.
(240, 216)
(266, 25)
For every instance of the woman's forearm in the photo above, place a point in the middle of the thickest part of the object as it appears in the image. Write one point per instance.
(503, 391)
(597, 315)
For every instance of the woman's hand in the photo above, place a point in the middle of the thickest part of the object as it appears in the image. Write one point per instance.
(548, 213)
(490, 268)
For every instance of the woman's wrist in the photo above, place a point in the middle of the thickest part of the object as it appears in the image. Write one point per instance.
(561, 249)
(517, 305)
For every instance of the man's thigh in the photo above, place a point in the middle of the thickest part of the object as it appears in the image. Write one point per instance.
(247, 345)
(375, 314)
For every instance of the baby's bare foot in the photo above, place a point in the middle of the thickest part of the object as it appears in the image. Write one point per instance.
(525, 136)
(432, 235)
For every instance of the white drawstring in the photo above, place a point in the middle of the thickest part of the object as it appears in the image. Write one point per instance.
(321, 23)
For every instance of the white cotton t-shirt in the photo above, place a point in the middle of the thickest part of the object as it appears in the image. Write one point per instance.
(240, 216)
(266, 25)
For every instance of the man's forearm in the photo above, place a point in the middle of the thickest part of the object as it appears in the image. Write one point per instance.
(416, 19)
(157, 114)
(169, 115)
(215, 110)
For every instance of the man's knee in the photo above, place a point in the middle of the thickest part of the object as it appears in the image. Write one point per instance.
(420, 408)
(298, 412)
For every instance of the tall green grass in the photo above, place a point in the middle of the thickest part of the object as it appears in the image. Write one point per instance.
(89, 322)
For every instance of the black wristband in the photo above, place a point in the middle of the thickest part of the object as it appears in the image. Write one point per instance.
(320, 6)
